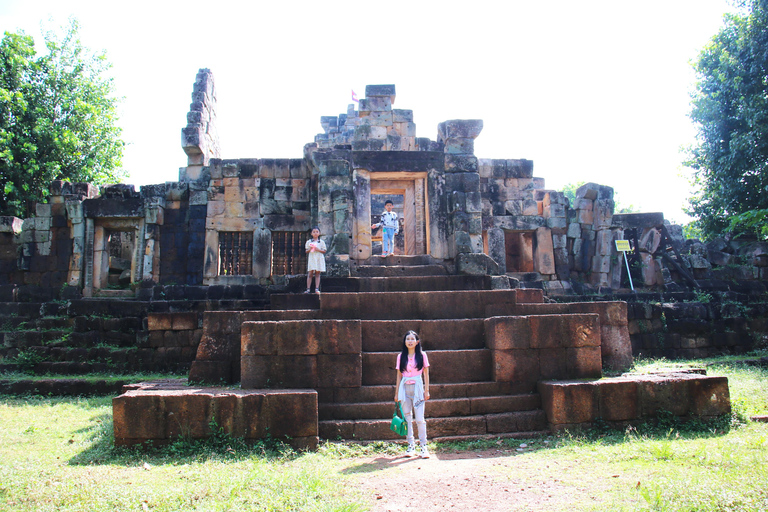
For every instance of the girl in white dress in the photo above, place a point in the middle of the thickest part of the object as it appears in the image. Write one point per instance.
(315, 260)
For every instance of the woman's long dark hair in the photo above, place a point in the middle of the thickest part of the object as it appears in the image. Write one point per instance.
(419, 358)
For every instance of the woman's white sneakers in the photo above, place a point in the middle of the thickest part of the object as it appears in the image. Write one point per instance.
(411, 452)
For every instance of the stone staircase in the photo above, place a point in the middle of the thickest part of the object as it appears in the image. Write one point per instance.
(296, 345)
(71, 338)
(404, 273)
(465, 399)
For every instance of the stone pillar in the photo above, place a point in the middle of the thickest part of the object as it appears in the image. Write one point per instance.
(596, 252)
(462, 181)
(199, 139)
(361, 235)
(335, 213)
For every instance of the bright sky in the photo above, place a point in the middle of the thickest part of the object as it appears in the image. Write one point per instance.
(596, 90)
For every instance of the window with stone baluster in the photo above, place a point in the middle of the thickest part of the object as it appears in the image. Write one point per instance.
(288, 255)
(235, 253)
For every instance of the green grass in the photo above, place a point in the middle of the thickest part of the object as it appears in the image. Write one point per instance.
(58, 454)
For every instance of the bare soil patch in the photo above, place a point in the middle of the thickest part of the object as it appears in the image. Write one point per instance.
(491, 480)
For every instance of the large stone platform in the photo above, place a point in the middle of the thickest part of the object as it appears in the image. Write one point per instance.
(633, 398)
(159, 412)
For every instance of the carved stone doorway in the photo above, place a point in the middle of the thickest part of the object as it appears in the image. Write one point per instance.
(415, 216)
(520, 248)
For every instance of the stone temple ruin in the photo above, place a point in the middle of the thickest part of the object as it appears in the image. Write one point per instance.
(210, 265)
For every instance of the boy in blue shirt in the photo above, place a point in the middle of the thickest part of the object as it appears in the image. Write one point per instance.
(390, 227)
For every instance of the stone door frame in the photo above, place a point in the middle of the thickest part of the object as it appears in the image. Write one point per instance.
(97, 251)
(413, 187)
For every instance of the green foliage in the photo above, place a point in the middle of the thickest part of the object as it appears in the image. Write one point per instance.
(730, 108)
(752, 222)
(26, 360)
(58, 118)
(569, 191)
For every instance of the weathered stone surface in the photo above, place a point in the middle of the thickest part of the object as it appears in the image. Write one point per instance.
(459, 128)
(160, 413)
(569, 402)
(515, 365)
(301, 337)
(508, 332)
(476, 264)
(619, 400)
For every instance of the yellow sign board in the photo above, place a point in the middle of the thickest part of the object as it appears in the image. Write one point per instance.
(623, 246)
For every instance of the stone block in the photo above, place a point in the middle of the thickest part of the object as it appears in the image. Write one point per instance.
(507, 332)
(184, 321)
(292, 413)
(553, 363)
(138, 417)
(188, 415)
(584, 362)
(340, 371)
(710, 396)
(459, 128)
(569, 402)
(616, 347)
(386, 90)
(544, 260)
(459, 366)
(619, 400)
(460, 163)
(159, 321)
(515, 365)
(664, 394)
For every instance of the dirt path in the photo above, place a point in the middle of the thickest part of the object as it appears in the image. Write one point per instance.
(487, 481)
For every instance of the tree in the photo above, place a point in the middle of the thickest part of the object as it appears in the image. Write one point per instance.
(58, 118)
(730, 108)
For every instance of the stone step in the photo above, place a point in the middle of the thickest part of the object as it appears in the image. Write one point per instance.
(27, 339)
(525, 277)
(14, 323)
(448, 334)
(62, 387)
(437, 427)
(449, 366)
(507, 435)
(436, 407)
(20, 309)
(399, 260)
(54, 323)
(392, 270)
(421, 305)
(115, 294)
(384, 393)
(405, 283)
(286, 301)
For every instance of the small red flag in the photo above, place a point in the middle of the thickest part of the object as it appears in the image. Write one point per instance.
(354, 96)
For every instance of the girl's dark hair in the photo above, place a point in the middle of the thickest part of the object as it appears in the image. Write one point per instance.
(417, 356)
(315, 228)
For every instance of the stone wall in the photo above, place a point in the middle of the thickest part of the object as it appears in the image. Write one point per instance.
(473, 215)
(697, 330)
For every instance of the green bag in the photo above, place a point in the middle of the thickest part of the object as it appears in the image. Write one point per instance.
(398, 425)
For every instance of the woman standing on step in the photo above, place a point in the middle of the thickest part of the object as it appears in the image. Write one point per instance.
(315, 259)
(411, 363)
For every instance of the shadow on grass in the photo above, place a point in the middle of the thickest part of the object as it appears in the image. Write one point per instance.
(219, 447)
(89, 402)
(380, 464)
